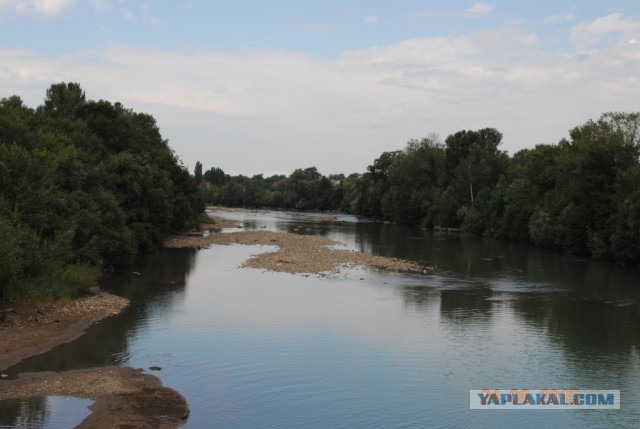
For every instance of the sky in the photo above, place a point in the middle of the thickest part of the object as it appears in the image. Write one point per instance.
(268, 86)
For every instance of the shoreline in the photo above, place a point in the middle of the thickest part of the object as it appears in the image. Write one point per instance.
(123, 397)
(301, 215)
(31, 331)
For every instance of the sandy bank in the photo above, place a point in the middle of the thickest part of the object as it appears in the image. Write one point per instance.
(298, 253)
(124, 397)
(32, 331)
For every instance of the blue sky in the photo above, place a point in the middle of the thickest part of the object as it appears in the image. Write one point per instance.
(270, 86)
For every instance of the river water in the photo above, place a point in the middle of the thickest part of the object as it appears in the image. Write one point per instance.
(362, 349)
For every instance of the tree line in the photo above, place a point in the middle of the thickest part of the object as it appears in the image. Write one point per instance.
(84, 186)
(581, 195)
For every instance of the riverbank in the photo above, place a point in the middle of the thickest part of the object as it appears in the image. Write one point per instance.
(298, 253)
(124, 397)
(29, 330)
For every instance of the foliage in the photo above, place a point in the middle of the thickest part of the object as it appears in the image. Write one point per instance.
(304, 189)
(197, 173)
(84, 185)
(580, 196)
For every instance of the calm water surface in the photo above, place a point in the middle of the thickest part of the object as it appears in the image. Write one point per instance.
(255, 349)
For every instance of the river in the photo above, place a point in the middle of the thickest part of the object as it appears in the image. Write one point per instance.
(362, 349)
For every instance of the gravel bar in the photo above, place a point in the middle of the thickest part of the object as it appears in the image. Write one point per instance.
(299, 253)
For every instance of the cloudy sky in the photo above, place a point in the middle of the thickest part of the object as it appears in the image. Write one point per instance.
(257, 86)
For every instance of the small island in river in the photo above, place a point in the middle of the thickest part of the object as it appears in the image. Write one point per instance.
(296, 253)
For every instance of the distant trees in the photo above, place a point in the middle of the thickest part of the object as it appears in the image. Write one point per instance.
(581, 195)
(304, 189)
(215, 176)
(84, 185)
(433, 183)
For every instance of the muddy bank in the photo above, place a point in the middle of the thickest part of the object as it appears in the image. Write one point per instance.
(298, 253)
(124, 397)
(30, 331)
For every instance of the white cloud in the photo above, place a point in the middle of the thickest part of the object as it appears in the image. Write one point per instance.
(371, 19)
(48, 8)
(128, 15)
(559, 18)
(480, 8)
(101, 5)
(477, 9)
(587, 35)
(316, 27)
(275, 110)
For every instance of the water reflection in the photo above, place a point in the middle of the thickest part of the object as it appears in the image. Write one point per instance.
(22, 412)
(584, 303)
(43, 412)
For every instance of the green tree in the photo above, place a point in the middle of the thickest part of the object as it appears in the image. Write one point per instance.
(84, 185)
(197, 173)
(215, 176)
(64, 99)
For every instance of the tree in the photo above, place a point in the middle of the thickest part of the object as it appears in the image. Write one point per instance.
(197, 172)
(472, 167)
(625, 221)
(64, 99)
(84, 185)
(519, 205)
(215, 176)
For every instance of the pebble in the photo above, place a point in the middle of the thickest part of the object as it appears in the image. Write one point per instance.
(298, 253)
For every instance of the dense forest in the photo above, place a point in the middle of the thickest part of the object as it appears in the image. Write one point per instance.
(581, 196)
(84, 186)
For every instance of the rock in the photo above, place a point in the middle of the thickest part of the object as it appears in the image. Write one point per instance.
(155, 368)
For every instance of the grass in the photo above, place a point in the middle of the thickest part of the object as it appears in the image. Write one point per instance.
(65, 283)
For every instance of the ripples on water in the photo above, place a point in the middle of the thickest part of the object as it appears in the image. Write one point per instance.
(254, 349)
